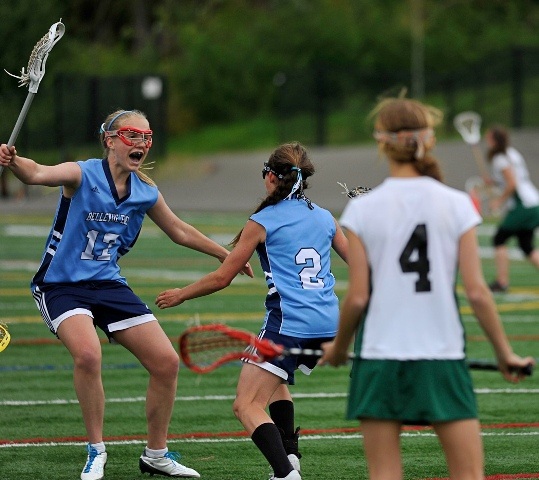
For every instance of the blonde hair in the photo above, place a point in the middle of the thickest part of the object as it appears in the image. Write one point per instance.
(114, 121)
(404, 130)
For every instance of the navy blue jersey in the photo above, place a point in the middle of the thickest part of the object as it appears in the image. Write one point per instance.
(94, 228)
(295, 259)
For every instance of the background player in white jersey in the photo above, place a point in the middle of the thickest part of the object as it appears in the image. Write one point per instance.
(406, 239)
(519, 199)
(78, 285)
(293, 238)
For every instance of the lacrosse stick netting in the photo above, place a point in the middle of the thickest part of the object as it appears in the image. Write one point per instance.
(354, 192)
(34, 72)
(468, 124)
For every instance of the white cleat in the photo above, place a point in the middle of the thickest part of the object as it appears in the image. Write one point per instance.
(293, 475)
(95, 465)
(167, 466)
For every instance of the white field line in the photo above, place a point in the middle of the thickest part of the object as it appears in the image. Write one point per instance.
(344, 436)
(60, 401)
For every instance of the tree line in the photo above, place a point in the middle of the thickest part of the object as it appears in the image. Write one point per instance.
(226, 59)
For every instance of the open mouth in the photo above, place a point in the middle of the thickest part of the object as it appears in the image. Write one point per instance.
(136, 155)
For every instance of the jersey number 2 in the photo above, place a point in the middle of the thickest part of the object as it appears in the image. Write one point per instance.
(414, 258)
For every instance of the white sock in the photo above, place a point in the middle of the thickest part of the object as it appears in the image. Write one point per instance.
(100, 447)
(156, 453)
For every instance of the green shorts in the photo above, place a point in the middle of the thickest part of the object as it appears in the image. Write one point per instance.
(418, 392)
(520, 217)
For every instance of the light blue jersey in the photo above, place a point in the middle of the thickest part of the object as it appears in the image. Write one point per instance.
(94, 228)
(295, 259)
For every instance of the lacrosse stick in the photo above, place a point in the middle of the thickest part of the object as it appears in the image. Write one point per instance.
(204, 348)
(468, 124)
(5, 337)
(34, 73)
(354, 192)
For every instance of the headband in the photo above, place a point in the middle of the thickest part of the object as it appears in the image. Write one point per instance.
(104, 129)
(406, 138)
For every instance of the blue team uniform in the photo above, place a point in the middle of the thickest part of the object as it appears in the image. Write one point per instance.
(295, 259)
(79, 271)
(93, 228)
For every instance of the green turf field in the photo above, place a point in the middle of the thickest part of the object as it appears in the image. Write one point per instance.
(41, 431)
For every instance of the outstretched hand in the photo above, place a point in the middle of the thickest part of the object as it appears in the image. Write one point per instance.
(169, 298)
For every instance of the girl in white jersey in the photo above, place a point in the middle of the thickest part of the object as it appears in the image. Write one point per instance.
(406, 239)
(519, 198)
(293, 238)
(78, 285)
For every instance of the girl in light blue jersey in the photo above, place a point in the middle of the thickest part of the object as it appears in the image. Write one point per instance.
(79, 286)
(293, 238)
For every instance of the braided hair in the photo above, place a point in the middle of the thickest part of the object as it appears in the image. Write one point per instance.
(292, 166)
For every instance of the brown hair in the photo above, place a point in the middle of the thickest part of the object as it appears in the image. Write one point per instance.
(114, 121)
(500, 140)
(284, 162)
(405, 133)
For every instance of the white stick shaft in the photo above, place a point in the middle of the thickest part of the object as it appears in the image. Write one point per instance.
(480, 161)
(20, 121)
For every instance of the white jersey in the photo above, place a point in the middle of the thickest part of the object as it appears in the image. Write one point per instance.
(411, 229)
(526, 190)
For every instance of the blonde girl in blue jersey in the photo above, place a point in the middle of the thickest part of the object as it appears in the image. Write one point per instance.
(293, 239)
(407, 239)
(79, 287)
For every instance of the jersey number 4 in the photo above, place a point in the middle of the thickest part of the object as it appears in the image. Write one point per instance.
(414, 258)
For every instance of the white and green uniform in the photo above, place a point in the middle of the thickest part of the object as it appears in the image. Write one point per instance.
(411, 228)
(522, 209)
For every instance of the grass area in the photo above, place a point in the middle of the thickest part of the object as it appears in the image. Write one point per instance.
(42, 435)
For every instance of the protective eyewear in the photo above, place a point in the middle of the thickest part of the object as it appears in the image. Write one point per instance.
(132, 136)
(268, 169)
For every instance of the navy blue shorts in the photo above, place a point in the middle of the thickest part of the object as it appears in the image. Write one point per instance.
(286, 366)
(112, 305)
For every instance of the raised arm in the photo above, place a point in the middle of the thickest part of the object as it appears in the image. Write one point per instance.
(28, 171)
(184, 234)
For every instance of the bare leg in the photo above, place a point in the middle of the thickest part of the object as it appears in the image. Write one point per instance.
(534, 258)
(463, 448)
(255, 388)
(382, 448)
(78, 334)
(149, 343)
(282, 393)
(501, 260)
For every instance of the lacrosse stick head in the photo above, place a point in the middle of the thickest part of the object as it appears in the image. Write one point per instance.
(36, 64)
(5, 337)
(468, 124)
(204, 348)
(354, 192)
